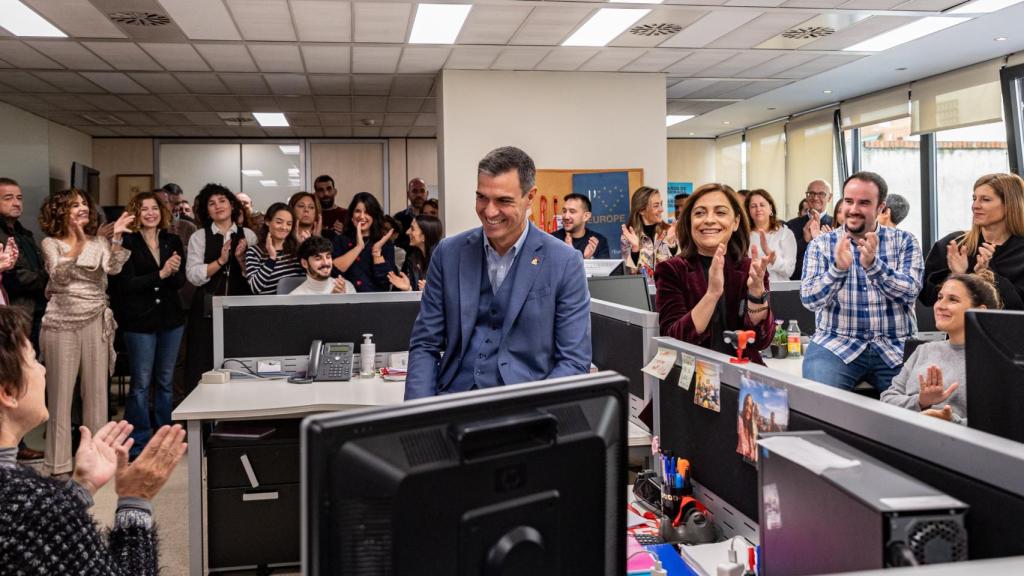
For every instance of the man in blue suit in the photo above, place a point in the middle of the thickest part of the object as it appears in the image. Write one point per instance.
(505, 303)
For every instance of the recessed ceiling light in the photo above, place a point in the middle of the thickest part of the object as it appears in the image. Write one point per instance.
(252, 173)
(726, 122)
(1001, 39)
(21, 20)
(692, 133)
(604, 26)
(438, 23)
(290, 149)
(983, 6)
(268, 183)
(903, 34)
(827, 91)
(293, 172)
(270, 119)
(673, 119)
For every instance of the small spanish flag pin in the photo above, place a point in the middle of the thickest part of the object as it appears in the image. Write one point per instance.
(535, 261)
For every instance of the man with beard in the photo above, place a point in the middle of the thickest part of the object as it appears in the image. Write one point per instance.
(332, 216)
(315, 258)
(416, 192)
(861, 282)
(574, 231)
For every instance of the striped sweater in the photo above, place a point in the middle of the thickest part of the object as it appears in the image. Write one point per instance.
(263, 274)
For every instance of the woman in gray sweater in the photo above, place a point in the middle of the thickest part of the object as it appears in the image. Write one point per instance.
(922, 383)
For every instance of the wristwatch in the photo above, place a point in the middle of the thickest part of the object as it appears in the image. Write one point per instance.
(761, 300)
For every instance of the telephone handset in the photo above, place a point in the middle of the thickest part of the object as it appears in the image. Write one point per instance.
(327, 361)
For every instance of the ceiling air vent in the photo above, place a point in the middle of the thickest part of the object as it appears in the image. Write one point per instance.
(237, 118)
(655, 29)
(809, 33)
(140, 19)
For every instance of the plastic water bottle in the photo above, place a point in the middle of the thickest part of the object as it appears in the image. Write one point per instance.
(793, 338)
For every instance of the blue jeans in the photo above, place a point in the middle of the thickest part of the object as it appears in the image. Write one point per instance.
(152, 356)
(821, 365)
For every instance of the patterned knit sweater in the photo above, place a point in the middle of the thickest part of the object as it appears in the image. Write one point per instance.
(45, 528)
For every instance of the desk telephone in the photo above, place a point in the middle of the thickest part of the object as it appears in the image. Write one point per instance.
(328, 361)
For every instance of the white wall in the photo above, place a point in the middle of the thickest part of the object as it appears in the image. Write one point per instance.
(66, 145)
(562, 120)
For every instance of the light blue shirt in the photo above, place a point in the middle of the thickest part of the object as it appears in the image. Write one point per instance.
(497, 265)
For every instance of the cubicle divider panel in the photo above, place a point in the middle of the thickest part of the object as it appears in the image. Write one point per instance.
(619, 346)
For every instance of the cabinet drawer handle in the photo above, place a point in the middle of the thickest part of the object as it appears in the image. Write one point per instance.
(247, 466)
(257, 496)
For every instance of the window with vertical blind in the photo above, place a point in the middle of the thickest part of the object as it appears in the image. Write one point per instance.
(729, 160)
(810, 156)
(766, 158)
(965, 97)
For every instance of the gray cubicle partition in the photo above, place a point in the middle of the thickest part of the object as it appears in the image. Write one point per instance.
(622, 341)
(983, 470)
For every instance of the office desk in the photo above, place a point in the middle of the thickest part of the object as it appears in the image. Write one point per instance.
(792, 365)
(255, 400)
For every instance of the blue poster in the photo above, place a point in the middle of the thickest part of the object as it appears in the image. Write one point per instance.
(675, 189)
(609, 199)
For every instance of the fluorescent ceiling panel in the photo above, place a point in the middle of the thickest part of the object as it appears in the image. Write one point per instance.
(268, 183)
(289, 149)
(252, 173)
(438, 23)
(20, 20)
(673, 119)
(269, 119)
(604, 26)
(77, 18)
(984, 6)
(904, 34)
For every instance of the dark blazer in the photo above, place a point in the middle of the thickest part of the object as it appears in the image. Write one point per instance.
(1007, 264)
(681, 284)
(143, 302)
(546, 331)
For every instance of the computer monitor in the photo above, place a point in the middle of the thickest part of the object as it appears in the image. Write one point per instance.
(995, 372)
(629, 290)
(517, 480)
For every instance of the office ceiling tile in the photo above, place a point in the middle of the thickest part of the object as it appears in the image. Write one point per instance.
(287, 83)
(70, 54)
(26, 102)
(370, 104)
(280, 132)
(159, 82)
(776, 65)
(76, 18)
(130, 132)
(332, 119)
(296, 104)
(928, 5)
(566, 58)
(755, 3)
(689, 86)
(115, 82)
(429, 106)
(107, 102)
(697, 62)
(658, 26)
(197, 131)
(160, 131)
(375, 59)
(319, 21)
(21, 55)
(333, 104)
(220, 131)
(612, 59)
(221, 103)
(365, 132)
(245, 83)
(655, 60)
(330, 84)
(98, 131)
(754, 89)
(259, 103)
(176, 57)
(820, 4)
(299, 119)
(68, 81)
(202, 82)
(423, 132)
(277, 57)
(123, 55)
(520, 57)
(337, 132)
(871, 4)
(184, 103)
(739, 63)
(25, 82)
(268, 20)
(472, 58)
(426, 119)
(818, 65)
(146, 102)
(414, 86)
(309, 131)
(719, 89)
(174, 118)
(381, 22)
(227, 57)
(549, 26)
(327, 59)
(423, 59)
(399, 119)
(394, 132)
(66, 102)
(372, 85)
(492, 24)
(405, 104)
(759, 30)
(136, 118)
(67, 118)
(710, 28)
(695, 107)
(863, 30)
(366, 119)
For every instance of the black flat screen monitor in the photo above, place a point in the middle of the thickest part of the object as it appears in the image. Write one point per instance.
(995, 372)
(629, 290)
(520, 480)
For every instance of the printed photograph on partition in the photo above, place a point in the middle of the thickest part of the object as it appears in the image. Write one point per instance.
(762, 408)
(707, 392)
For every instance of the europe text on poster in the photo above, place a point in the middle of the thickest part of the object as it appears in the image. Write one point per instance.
(762, 408)
(609, 199)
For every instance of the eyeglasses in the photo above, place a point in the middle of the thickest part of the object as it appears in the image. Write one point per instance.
(816, 194)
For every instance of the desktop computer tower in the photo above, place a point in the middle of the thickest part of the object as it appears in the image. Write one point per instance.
(826, 507)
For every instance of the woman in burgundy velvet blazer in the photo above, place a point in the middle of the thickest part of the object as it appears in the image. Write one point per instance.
(712, 285)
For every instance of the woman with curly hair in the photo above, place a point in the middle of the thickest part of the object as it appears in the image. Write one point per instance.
(77, 335)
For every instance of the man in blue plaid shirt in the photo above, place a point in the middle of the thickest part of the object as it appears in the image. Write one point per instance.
(861, 282)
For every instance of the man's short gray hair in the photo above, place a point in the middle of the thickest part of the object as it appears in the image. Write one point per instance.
(898, 208)
(501, 160)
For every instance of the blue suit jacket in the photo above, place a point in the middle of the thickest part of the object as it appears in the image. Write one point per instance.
(546, 332)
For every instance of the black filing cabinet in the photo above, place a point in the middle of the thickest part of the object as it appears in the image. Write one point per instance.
(249, 525)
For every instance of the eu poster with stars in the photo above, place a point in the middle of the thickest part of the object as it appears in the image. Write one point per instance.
(609, 199)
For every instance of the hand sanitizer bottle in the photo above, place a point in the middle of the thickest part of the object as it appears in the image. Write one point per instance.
(367, 353)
